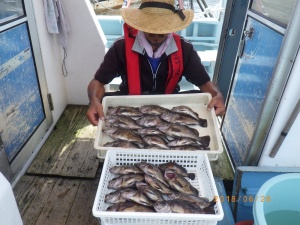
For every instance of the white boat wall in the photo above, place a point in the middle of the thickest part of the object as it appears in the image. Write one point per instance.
(85, 51)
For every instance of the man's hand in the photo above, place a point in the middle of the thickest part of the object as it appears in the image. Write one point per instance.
(94, 113)
(96, 92)
(217, 102)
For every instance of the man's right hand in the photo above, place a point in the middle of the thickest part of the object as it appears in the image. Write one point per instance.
(94, 113)
(96, 92)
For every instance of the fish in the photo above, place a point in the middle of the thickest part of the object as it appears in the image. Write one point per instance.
(179, 182)
(154, 147)
(152, 109)
(182, 141)
(116, 196)
(200, 201)
(156, 140)
(124, 181)
(122, 134)
(150, 131)
(190, 147)
(177, 168)
(149, 120)
(122, 121)
(129, 207)
(136, 196)
(157, 185)
(186, 110)
(152, 171)
(121, 144)
(181, 131)
(123, 111)
(182, 119)
(203, 140)
(176, 206)
(149, 191)
(125, 169)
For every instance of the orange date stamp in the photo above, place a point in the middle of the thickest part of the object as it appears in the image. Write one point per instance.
(245, 198)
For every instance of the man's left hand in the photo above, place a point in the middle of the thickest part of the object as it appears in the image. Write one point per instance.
(218, 103)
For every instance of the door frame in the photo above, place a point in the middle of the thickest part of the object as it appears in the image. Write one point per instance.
(231, 34)
(282, 71)
(11, 170)
(289, 49)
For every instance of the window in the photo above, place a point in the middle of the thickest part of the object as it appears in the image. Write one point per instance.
(276, 10)
(10, 10)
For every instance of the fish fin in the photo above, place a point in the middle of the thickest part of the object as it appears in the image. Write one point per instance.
(138, 145)
(195, 190)
(195, 131)
(179, 184)
(175, 129)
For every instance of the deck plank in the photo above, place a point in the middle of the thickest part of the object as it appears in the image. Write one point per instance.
(59, 201)
(222, 167)
(31, 195)
(83, 204)
(61, 198)
(69, 149)
(82, 160)
(61, 183)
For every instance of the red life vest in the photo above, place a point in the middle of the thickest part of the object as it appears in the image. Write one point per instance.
(133, 72)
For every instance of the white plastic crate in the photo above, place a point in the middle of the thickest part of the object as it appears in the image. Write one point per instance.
(197, 102)
(204, 182)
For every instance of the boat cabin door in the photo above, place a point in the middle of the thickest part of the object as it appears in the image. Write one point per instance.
(247, 69)
(25, 114)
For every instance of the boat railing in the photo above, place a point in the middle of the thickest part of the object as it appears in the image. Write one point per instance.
(203, 33)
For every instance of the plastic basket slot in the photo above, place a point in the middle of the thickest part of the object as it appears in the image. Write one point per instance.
(186, 161)
(144, 221)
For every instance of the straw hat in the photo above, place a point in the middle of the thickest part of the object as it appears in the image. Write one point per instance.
(157, 17)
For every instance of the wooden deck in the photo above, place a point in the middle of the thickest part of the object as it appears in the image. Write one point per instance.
(60, 185)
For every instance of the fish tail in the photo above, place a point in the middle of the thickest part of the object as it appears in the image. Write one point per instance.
(211, 203)
(192, 176)
(204, 140)
(202, 122)
(210, 207)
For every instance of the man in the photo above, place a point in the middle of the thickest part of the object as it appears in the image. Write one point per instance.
(151, 58)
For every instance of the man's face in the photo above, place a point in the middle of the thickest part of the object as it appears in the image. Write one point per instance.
(155, 39)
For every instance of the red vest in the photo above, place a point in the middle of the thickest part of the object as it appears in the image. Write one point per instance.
(133, 72)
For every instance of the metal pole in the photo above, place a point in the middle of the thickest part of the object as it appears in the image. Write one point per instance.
(201, 7)
(285, 130)
(282, 70)
(206, 6)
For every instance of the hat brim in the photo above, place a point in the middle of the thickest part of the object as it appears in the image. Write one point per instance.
(156, 24)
